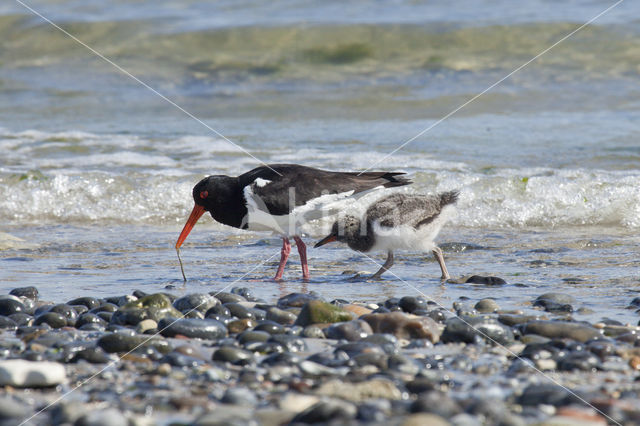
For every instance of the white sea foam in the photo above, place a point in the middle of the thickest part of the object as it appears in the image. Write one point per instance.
(509, 199)
(79, 177)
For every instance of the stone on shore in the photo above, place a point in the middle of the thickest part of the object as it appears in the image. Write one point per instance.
(362, 391)
(29, 374)
(404, 326)
(193, 328)
(562, 329)
(319, 312)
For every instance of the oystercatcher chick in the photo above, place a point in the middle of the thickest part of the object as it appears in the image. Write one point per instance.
(282, 198)
(398, 221)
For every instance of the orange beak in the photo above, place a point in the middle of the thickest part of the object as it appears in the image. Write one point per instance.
(325, 240)
(196, 213)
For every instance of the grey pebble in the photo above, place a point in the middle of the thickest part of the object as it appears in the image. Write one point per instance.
(436, 402)
(106, 417)
(191, 327)
(233, 355)
(120, 342)
(239, 396)
(225, 297)
(470, 329)
(349, 330)
(28, 292)
(52, 319)
(297, 300)
(486, 306)
(89, 302)
(280, 316)
(548, 394)
(325, 411)
(195, 302)
(478, 279)
(11, 305)
(562, 329)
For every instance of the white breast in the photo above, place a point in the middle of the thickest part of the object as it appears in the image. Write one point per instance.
(406, 237)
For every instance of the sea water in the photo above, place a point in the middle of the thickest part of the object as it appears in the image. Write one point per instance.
(96, 169)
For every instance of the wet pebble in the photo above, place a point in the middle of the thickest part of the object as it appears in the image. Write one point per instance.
(225, 297)
(361, 391)
(147, 326)
(479, 279)
(270, 327)
(89, 302)
(325, 411)
(195, 302)
(239, 396)
(69, 313)
(239, 311)
(7, 323)
(104, 307)
(193, 328)
(28, 374)
(27, 292)
(349, 330)
(52, 319)
(555, 302)
(297, 300)
(238, 326)
(411, 303)
(403, 326)
(94, 355)
(280, 316)
(11, 305)
(548, 394)
(218, 310)
(233, 355)
(469, 329)
(21, 319)
(562, 329)
(375, 411)
(437, 403)
(288, 342)
(313, 331)
(106, 417)
(486, 306)
(579, 360)
(124, 342)
(319, 312)
(253, 336)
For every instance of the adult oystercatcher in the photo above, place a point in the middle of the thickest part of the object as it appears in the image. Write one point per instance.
(281, 198)
(398, 221)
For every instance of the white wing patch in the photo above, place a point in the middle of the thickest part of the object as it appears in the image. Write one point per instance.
(261, 182)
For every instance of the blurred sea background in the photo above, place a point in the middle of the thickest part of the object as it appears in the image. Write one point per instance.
(96, 170)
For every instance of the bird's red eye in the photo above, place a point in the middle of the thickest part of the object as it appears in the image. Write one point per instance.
(204, 194)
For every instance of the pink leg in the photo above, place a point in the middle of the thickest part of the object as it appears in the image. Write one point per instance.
(302, 249)
(284, 255)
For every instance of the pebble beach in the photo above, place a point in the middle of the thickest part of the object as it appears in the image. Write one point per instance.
(229, 358)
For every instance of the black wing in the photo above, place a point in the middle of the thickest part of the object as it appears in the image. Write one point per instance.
(293, 185)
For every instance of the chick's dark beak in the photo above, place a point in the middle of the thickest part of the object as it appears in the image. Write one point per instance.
(325, 240)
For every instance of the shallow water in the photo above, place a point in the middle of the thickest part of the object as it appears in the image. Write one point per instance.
(70, 261)
(96, 171)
